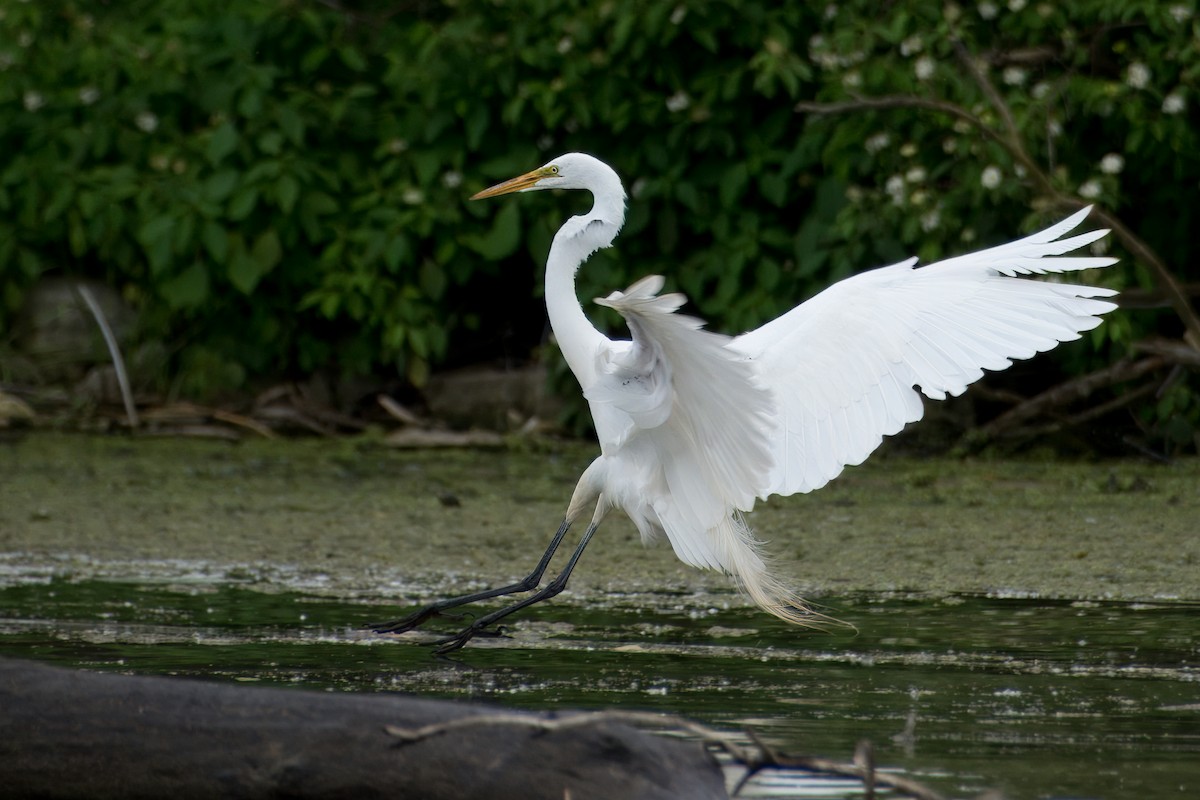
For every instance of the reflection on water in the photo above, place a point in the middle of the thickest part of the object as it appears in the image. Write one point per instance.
(1035, 698)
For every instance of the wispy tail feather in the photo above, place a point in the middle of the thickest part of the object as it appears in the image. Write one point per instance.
(741, 556)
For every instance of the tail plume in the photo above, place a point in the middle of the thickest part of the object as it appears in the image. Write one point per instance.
(741, 555)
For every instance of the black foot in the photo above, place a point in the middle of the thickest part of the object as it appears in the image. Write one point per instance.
(411, 622)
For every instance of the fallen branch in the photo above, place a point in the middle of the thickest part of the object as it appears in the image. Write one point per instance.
(755, 756)
(1063, 394)
(114, 352)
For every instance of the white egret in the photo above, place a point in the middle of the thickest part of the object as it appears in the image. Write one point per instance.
(694, 426)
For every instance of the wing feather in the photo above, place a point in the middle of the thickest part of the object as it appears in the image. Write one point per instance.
(702, 427)
(845, 367)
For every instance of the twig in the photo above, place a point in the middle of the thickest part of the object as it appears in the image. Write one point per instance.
(114, 352)
(1124, 370)
(755, 757)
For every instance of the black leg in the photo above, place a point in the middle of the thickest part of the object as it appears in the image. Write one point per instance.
(528, 583)
(451, 643)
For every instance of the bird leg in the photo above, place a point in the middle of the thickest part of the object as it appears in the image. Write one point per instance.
(526, 584)
(452, 643)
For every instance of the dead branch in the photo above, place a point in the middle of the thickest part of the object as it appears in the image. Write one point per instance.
(1126, 369)
(114, 352)
(754, 757)
(1174, 352)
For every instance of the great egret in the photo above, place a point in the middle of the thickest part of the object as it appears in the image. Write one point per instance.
(694, 426)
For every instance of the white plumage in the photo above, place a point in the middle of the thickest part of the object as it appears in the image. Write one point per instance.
(694, 425)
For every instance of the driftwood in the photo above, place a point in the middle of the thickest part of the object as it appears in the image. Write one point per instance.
(75, 734)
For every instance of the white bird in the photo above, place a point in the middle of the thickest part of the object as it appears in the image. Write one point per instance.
(694, 426)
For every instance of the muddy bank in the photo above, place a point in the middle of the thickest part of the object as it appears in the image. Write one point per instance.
(354, 518)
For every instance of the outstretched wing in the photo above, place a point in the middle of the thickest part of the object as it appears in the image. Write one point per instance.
(842, 366)
(678, 403)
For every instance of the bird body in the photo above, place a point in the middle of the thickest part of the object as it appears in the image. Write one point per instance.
(694, 425)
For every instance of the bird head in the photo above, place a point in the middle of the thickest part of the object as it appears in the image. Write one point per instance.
(568, 171)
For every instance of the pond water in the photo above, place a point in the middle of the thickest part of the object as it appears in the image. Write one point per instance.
(1029, 626)
(1034, 698)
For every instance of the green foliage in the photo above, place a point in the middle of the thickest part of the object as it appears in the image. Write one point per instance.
(281, 184)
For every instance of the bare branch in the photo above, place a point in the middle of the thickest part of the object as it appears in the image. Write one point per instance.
(114, 352)
(755, 756)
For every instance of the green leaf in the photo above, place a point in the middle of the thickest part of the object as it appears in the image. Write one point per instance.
(244, 271)
(287, 189)
(188, 289)
(503, 238)
(222, 142)
(267, 250)
(215, 240)
(243, 203)
(219, 185)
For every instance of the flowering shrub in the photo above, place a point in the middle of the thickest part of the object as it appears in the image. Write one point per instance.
(280, 185)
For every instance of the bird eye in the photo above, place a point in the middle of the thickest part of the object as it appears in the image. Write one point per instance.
(553, 170)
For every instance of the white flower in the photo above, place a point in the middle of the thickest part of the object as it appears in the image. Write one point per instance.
(1054, 128)
(894, 186)
(1138, 75)
(915, 175)
(33, 100)
(146, 121)
(952, 12)
(1112, 163)
(678, 14)
(1090, 189)
(1014, 76)
(990, 177)
(1015, 5)
(912, 44)
(1173, 103)
(877, 142)
(89, 95)
(967, 235)
(988, 10)
(924, 68)
(918, 197)
(930, 220)
(637, 188)
(678, 101)
(854, 193)
(397, 146)
(412, 196)
(1040, 90)
(564, 45)
(852, 80)
(1099, 247)
(1180, 13)
(949, 145)
(25, 39)
(816, 42)
(831, 11)
(452, 179)
(908, 149)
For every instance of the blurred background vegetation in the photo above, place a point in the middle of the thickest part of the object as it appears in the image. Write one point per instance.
(277, 188)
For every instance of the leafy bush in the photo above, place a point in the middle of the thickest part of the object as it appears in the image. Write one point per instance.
(280, 185)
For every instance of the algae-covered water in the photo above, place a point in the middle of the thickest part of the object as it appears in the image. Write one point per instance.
(1026, 626)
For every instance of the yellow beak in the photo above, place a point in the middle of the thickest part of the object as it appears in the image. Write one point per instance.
(517, 184)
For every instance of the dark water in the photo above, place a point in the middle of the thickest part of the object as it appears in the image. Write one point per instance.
(1037, 699)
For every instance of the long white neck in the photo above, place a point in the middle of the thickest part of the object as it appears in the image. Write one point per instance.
(575, 241)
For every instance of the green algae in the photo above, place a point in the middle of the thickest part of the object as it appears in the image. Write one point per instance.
(351, 516)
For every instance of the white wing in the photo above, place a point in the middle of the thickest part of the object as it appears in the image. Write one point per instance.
(842, 366)
(685, 414)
